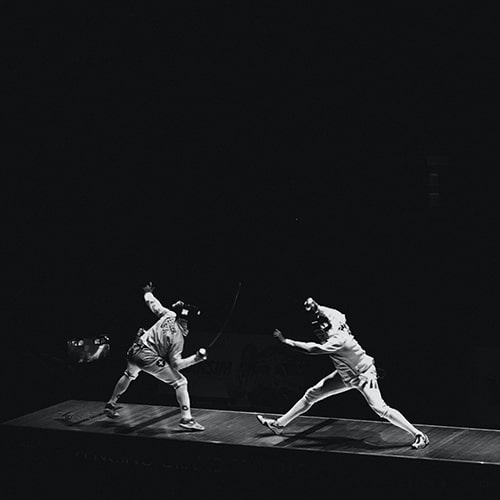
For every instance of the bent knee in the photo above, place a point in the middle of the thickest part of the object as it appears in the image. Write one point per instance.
(131, 375)
(176, 384)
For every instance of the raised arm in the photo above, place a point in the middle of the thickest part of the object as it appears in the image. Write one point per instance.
(153, 303)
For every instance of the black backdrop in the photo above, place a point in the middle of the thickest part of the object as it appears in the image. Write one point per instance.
(284, 148)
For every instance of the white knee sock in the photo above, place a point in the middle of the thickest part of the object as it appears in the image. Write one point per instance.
(300, 407)
(396, 418)
(120, 387)
(182, 396)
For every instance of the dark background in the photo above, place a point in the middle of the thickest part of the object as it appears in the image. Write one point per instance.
(289, 149)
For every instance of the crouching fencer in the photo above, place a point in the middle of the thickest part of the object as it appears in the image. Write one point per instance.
(354, 369)
(158, 351)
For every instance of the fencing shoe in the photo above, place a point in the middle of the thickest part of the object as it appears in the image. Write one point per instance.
(111, 410)
(190, 425)
(271, 424)
(421, 441)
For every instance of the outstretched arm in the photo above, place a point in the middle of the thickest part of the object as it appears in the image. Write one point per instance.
(306, 347)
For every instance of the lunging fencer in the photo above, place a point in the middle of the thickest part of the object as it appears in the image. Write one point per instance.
(158, 351)
(354, 369)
